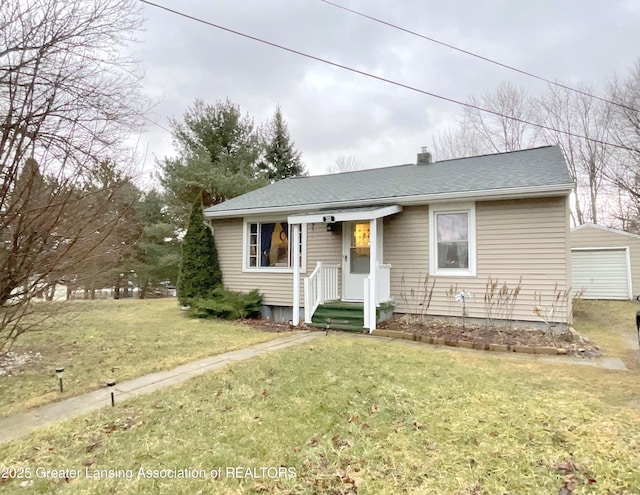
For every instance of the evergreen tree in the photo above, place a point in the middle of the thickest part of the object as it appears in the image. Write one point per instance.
(219, 152)
(113, 193)
(159, 250)
(200, 271)
(281, 160)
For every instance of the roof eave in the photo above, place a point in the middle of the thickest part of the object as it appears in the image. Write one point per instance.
(491, 194)
(606, 229)
(349, 215)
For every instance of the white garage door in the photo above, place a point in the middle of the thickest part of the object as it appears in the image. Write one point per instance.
(602, 273)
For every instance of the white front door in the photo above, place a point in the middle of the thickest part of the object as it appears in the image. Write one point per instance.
(355, 259)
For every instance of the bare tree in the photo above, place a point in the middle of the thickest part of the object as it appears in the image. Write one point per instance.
(344, 163)
(625, 132)
(567, 112)
(69, 98)
(457, 142)
(508, 130)
(480, 132)
(588, 159)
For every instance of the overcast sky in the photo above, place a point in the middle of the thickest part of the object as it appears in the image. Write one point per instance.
(332, 112)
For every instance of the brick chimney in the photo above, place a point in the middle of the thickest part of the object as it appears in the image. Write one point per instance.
(424, 157)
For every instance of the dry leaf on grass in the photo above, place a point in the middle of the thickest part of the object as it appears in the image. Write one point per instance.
(340, 442)
(568, 487)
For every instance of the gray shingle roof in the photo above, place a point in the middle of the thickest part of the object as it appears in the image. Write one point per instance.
(537, 168)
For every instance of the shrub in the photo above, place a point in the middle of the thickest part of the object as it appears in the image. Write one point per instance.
(228, 305)
(200, 273)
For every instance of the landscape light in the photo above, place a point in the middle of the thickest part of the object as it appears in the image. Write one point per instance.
(112, 384)
(59, 374)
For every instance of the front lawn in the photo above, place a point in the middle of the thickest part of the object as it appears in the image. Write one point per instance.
(354, 415)
(97, 341)
(612, 325)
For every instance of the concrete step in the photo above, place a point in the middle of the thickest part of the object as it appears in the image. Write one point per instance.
(339, 315)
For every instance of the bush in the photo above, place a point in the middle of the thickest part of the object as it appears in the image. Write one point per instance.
(200, 273)
(228, 305)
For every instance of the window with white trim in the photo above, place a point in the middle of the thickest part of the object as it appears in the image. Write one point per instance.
(452, 240)
(268, 246)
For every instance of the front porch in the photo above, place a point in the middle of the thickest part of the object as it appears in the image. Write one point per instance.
(361, 276)
(324, 306)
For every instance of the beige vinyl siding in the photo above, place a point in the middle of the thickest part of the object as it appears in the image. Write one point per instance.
(595, 237)
(513, 238)
(322, 246)
(406, 249)
(525, 238)
(276, 287)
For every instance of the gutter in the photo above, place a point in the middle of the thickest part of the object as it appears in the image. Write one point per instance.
(502, 194)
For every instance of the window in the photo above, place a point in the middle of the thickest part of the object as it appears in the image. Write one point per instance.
(452, 232)
(452, 240)
(267, 245)
(360, 248)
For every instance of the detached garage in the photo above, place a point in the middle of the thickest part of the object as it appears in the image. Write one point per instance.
(605, 263)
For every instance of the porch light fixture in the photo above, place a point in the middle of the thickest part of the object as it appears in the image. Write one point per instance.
(110, 385)
(60, 374)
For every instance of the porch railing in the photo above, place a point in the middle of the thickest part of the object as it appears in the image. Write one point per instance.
(319, 287)
(382, 293)
(384, 283)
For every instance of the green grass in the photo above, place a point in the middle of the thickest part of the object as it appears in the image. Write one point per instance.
(361, 415)
(97, 341)
(612, 325)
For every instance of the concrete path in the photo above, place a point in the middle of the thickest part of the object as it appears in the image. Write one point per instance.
(21, 424)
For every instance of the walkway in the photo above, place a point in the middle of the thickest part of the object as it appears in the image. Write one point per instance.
(18, 425)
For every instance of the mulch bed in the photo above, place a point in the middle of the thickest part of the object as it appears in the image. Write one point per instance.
(482, 336)
(473, 336)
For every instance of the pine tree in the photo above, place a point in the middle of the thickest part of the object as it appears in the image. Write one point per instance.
(219, 151)
(282, 160)
(159, 250)
(200, 270)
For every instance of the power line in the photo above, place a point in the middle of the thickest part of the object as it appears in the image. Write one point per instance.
(158, 124)
(379, 78)
(481, 57)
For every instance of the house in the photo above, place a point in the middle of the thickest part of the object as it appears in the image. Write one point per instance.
(407, 238)
(605, 262)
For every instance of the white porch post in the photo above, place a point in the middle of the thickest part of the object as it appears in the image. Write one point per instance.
(373, 282)
(295, 320)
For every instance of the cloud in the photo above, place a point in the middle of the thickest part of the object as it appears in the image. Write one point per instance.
(332, 112)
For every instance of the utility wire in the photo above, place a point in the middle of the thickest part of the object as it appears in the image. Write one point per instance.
(158, 124)
(481, 57)
(379, 78)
